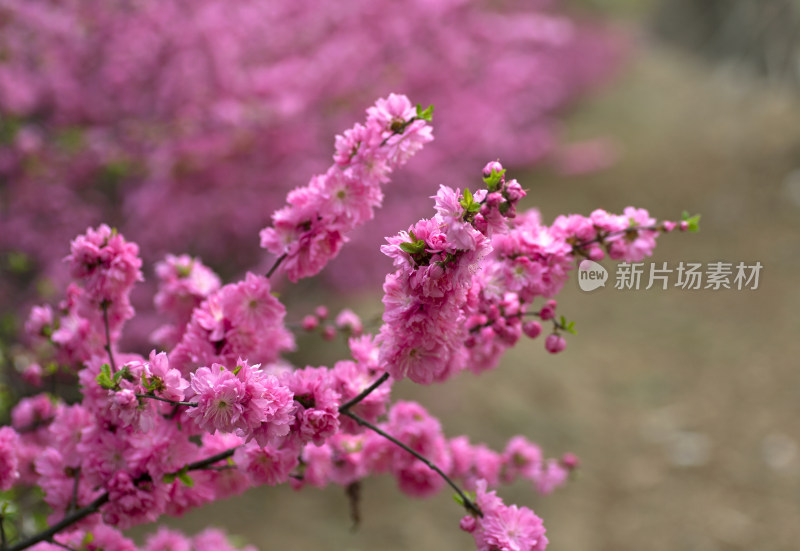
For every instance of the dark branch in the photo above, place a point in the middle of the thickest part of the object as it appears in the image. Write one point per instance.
(382, 379)
(468, 504)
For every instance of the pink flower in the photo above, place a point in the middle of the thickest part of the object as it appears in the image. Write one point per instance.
(266, 465)
(504, 528)
(163, 380)
(132, 502)
(167, 540)
(220, 396)
(317, 403)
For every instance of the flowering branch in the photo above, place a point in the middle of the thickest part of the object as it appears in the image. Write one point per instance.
(468, 504)
(94, 506)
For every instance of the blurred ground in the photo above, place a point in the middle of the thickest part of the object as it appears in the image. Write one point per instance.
(683, 405)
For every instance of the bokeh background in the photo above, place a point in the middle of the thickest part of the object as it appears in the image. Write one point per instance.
(682, 405)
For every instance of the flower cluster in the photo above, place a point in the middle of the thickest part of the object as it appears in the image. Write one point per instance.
(221, 410)
(239, 320)
(436, 259)
(105, 267)
(467, 277)
(308, 233)
(244, 401)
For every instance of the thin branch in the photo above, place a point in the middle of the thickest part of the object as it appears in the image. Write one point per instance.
(67, 521)
(208, 461)
(468, 504)
(346, 406)
(280, 259)
(399, 131)
(61, 545)
(601, 238)
(168, 401)
(108, 337)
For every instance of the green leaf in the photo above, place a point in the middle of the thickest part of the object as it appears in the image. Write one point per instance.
(467, 199)
(122, 373)
(413, 248)
(184, 477)
(237, 370)
(693, 222)
(146, 383)
(568, 326)
(425, 114)
(168, 478)
(493, 180)
(104, 378)
(408, 247)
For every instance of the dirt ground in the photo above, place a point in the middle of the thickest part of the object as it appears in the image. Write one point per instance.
(683, 405)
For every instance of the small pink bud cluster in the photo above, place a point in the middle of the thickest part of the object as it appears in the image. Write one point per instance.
(346, 322)
(309, 232)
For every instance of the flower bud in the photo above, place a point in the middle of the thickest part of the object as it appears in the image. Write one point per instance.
(532, 329)
(329, 333)
(491, 166)
(468, 523)
(548, 311)
(555, 343)
(310, 322)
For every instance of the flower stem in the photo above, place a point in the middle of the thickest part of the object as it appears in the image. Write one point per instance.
(278, 262)
(468, 504)
(173, 402)
(366, 392)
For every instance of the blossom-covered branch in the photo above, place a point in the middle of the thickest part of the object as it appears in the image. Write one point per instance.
(220, 409)
(311, 229)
